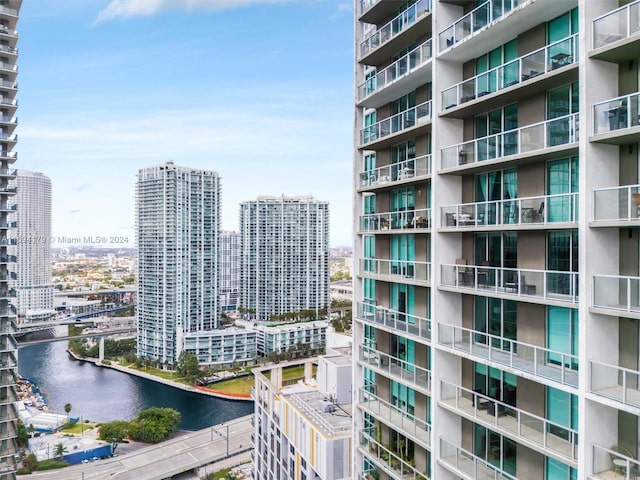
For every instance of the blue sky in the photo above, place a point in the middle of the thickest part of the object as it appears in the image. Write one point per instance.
(258, 90)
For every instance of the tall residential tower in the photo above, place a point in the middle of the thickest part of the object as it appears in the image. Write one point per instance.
(229, 268)
(8, 121)
(285, 255)
(177, 229)
(497, 212)
(34, 290)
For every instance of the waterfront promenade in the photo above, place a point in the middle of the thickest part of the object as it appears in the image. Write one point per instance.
(215, 447)
(196, 389)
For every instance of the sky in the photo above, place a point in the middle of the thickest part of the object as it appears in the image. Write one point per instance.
(260, 91)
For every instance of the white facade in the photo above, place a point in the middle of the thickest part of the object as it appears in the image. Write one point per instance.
(303, 431)
(222, 347)
(229, 268)
(279, 338)
(177, 231)
(285, 256)
(497, 246)
(32, 216)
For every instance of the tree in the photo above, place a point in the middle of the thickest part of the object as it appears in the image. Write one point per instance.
(31, 461)
(154, 424)
(188, 366)
(67, 409)
(113, 432)
(60, 450)
(23, 436)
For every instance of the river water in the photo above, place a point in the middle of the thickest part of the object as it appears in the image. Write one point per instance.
(102, 395)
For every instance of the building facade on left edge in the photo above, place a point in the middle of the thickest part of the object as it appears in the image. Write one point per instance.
(31, 213)
(177, 231)
(8, 352)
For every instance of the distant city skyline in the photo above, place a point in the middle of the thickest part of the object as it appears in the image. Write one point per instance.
(243, 88)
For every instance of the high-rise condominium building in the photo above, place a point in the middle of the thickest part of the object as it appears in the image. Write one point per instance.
(497, 241)
(32, 215)
(285, 256)
(177, 229)
(229, 268)
(8, 353)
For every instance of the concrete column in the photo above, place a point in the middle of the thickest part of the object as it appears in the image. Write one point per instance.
(101, 354)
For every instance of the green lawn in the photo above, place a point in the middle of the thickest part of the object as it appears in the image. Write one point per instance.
(166, 374)
(235, 385)
(78, 427)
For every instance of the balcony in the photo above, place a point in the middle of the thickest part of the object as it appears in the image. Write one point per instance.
(552, 135)
(8, 156)
(403, 271)
(395, 322)
(617, 207)
(390, 130)
(523, 357)
(474, 21)
(397, 79)
(388, 461)
(8, 49)
(466, 98)
(396, 418)
(8, 67)
(375, 11)
(610, 464)
(8, 31)
(410, 170)
(536, 286)
(8, 120)
(616, 35)
(536, 432)
(404, 220)
(616, 383)
(516, 214)
(396, 369)
(616, 295)
(467, 465)
(617, 121)
(384, 42)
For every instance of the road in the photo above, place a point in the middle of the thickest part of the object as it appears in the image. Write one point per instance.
(166, 459)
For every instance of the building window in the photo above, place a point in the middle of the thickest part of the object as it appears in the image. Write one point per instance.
(562, 335)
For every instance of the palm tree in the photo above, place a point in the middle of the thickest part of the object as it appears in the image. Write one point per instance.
(67, 409)
(60, 450)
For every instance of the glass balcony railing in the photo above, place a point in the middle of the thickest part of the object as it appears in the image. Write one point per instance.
(4, 30)
(9, 101)
(8, 11)
(396, 123)
(616, 25)
(537, 284)
(412, 168)
(393, 415)
(617, 383)
(544, 60)
(396, 26)
(468, 464)
(614, 463)
(392, 463)
(618, 293)
(11, 156)
(518, 211)
(396, 270)
(12, 67)
(404, 220)
(405, 64)
(365, 5)
(617, 114)
(543, 362)
(396, 368)
(392, 319)
(514, 421)
(519, 141)
(617, 204)
(475, 20)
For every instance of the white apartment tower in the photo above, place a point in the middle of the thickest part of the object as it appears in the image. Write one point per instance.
(285, 256)
(32, 215)
(177, 230)
(9, 12)
(229, 268)
(497, 242)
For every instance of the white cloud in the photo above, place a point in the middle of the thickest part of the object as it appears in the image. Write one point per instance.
(133, 8)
